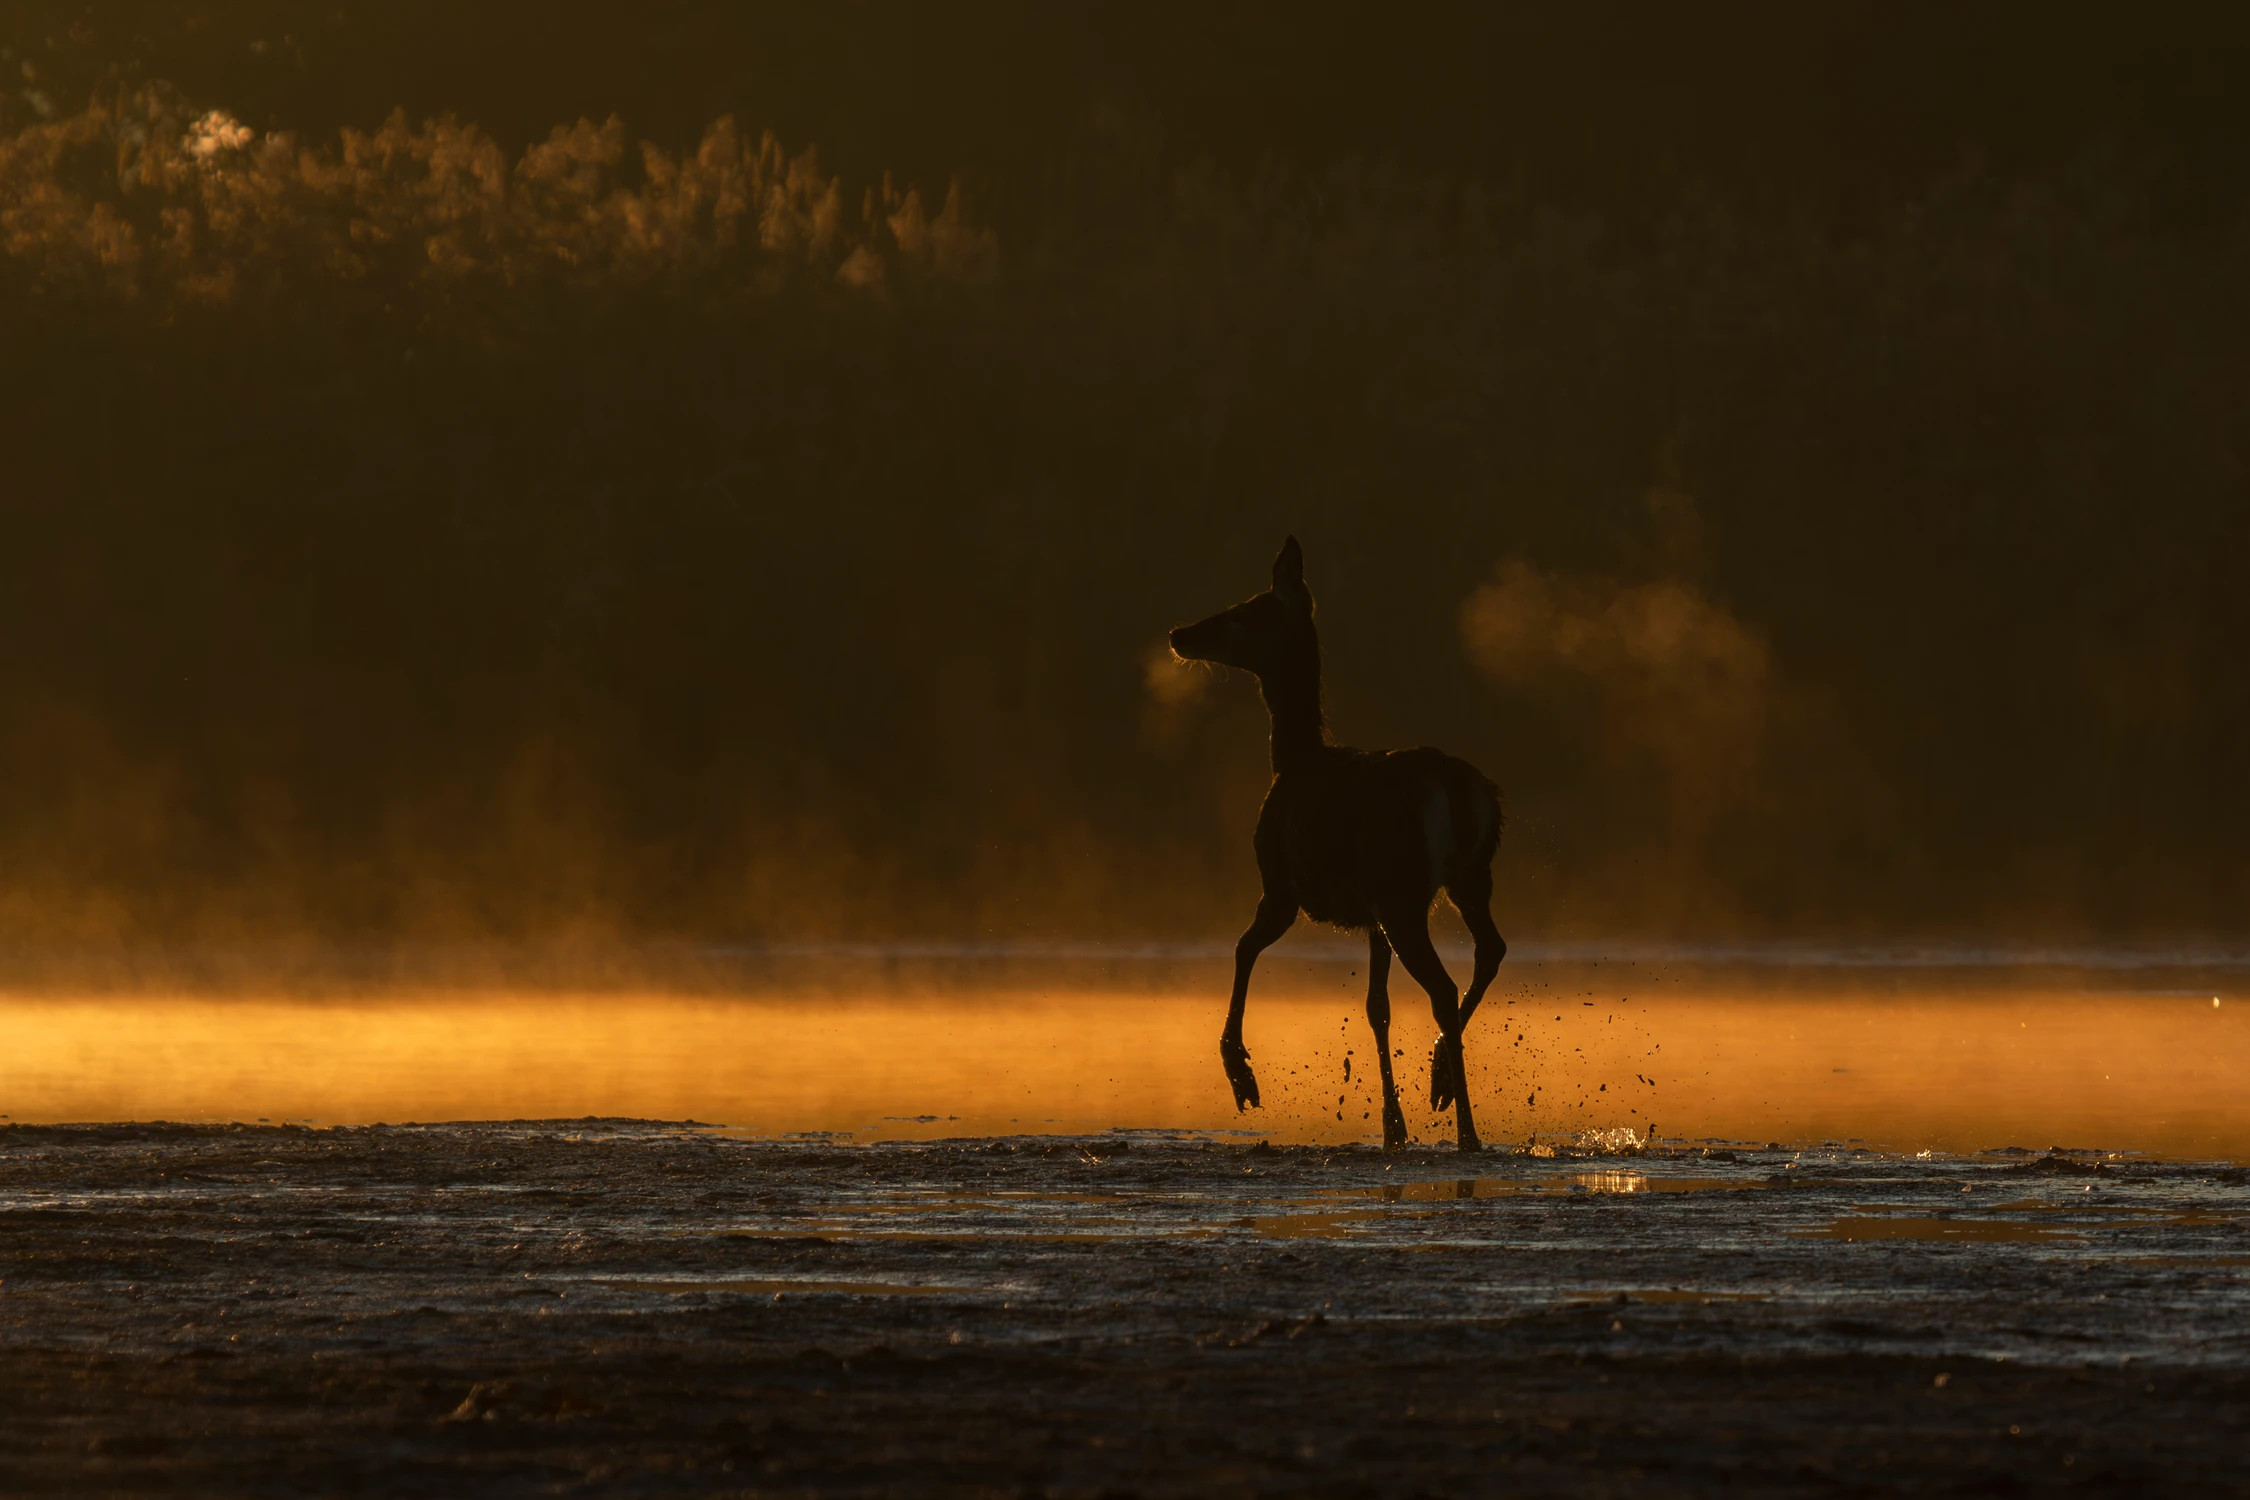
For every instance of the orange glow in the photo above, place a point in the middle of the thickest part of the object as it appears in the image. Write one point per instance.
(2160, 1074)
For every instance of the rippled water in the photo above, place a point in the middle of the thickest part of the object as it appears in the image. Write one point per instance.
(1943, 1056)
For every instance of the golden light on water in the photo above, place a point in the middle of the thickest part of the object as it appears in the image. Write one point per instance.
(1932, 1069)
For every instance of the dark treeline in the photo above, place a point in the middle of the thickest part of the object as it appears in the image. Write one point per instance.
(1803, 460)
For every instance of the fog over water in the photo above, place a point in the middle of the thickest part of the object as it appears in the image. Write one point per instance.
(1573, 1053)
(562, 513)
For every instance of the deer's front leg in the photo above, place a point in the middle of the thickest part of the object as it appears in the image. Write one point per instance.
(1273, 919)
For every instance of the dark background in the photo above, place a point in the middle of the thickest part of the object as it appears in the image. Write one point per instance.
(351, 590)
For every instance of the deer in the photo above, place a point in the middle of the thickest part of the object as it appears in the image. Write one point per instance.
(1362, 840)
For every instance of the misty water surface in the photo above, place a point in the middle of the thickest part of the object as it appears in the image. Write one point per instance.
(1903, 1060)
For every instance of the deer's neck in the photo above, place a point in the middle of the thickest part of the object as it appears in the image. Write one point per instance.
(1292, 694)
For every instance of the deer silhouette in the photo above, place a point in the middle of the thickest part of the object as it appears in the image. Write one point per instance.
(1358, 839)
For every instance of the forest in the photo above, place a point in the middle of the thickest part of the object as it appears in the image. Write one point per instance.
(1801, 459)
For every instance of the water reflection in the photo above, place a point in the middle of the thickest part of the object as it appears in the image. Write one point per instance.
(1570, 1182)
(1566, 1054)
(1945, 1227)
(1610, 1182)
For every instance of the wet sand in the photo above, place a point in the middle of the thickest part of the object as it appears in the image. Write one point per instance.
(618, 1307)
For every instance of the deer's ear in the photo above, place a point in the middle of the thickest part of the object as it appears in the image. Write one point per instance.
(1289, 568)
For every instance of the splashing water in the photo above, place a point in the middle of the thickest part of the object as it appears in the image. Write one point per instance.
(1610, 1142)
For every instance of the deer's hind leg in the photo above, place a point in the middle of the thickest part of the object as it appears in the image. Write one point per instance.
(1379, 1021)
(1472, 897)
(1409, 934)
(1275, 915)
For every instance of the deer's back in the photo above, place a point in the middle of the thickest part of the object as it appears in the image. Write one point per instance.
(1361, 830)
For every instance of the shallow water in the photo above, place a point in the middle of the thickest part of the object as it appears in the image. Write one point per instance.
(1924, 1057)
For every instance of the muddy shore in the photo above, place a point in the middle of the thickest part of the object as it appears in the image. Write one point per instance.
(633, 1307)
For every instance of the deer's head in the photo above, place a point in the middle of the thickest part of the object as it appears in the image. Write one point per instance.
(1260, 632)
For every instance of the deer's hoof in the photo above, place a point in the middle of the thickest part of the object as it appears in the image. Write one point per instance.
(1447, 1077)
(1236, 1057)
(1394, 1127)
